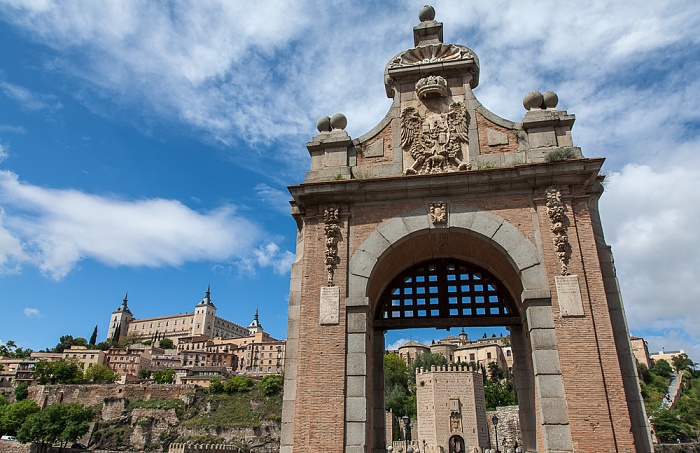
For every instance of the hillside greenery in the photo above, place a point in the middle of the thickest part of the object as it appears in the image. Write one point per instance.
(682, 423)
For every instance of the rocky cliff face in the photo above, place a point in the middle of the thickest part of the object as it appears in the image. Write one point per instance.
(149, 418)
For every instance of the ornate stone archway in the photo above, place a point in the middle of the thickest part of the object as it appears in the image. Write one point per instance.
(442, 178)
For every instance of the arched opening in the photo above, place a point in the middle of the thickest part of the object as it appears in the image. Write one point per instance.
(444, 279)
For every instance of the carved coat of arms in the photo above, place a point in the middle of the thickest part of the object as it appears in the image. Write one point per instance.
(435, 142)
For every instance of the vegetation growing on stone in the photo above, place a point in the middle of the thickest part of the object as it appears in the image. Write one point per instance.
(560, 154)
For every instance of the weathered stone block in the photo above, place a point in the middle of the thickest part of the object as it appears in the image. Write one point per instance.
(355, 435)
(546, 362)
(362, 263)
(357, 364)
(525, 255)
(357, 386)
(356, 409)
(539, 317)
(393, 230)
(508, 237)
(543, 339)
(375, 245)
(557, 438)
(553, 411)
(486, 224)
(416, 222)
(357, 342)
(357, 323)
(550, 386)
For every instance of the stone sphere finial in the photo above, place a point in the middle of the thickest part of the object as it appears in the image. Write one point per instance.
(338, 121)
(550, 99)
(324, 124)
(533, 100)
(426, 14)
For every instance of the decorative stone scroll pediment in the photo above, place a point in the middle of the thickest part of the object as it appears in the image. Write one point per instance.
(434, 53)
(435, 142)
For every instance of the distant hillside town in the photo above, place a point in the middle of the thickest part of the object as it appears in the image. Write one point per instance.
(196, 346)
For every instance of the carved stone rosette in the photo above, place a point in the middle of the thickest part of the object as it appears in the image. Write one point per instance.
(331, 231)
(555, 212)
(438, 212)
(435, 141)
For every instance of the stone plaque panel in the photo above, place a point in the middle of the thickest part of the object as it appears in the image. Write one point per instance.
(375, 149)
(330, 305)
(496, 138)
(569, 295)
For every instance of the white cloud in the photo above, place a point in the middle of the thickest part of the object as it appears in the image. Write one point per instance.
(12, 129)
(649, 218)
(27, 99)
(270, 255)
(3, 152)
(11, 253)
(397, 344)
(276, 198)
(57, 228)
(32, 313)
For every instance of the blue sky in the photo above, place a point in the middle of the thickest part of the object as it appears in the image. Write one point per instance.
(146, 146)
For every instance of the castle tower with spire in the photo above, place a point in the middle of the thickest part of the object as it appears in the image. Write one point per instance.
(120, 319)
(204, 316)
(255, 326)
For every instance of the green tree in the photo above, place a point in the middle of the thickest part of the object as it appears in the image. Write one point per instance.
(669, 426)
(100, 374)
(14, 415)
(661, 368)
(93, 337)
(396, 371)
(682, 363)
(10, 349)
(238, 384)
(164, 376)
(216, 385)
(63, 423)
(398, 386)
(21, 391)
(67, 371)
(3, 401)
(426, 361)
(145, 373)
(271, 385)
(166, 343)
(104, 345)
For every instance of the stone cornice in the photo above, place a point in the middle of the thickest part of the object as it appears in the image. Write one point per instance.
(572, 172)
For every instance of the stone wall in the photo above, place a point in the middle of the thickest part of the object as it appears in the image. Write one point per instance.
(90, 395)
(8, 446)
(509, 434)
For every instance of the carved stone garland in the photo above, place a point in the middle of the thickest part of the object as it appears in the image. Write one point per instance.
(332, 233)
(435, 142)
(555, 212)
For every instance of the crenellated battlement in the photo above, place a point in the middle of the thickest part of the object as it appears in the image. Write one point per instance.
(451, 368)
(203, 448)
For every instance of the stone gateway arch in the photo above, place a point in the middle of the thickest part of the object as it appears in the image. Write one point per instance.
(446, 215)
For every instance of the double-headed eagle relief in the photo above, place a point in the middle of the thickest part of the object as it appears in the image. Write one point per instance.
(436, 142)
